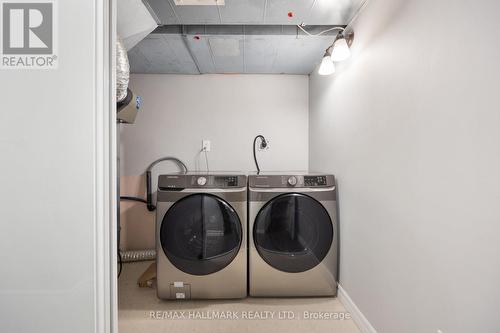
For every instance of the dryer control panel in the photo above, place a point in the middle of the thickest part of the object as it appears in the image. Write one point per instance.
(291, 180)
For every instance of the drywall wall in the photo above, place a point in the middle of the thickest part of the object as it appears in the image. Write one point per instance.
(179, 111)
(410, 126)
(51, 224)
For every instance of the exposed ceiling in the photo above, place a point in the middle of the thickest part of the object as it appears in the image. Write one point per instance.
(241, 36)
(311, 12)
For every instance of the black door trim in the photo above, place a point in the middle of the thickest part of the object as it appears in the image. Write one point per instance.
(293, 239)
(184, 222)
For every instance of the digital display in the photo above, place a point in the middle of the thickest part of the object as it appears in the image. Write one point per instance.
(227, 181)
(315, 180)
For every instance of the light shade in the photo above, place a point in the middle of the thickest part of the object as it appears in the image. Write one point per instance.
(327, 67)
(340, 50)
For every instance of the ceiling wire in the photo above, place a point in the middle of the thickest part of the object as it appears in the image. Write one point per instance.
(218, 10)
(348, 26)
(320, 33)
(206, 160)
(356, 14)
(264, 12)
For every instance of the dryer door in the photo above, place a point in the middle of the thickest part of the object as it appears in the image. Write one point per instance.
(201, 234)
(293, 232)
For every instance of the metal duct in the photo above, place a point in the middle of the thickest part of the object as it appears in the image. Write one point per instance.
(134, 21)
(140, 255)
(122, 71)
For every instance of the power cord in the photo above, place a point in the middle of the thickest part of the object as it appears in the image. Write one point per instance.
(206, 160)
(127, 198)
(263, 145)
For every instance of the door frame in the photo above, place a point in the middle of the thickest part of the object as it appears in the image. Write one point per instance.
(105, 172)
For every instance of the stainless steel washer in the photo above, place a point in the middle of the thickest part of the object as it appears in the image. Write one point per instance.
(201, 239)
(293, 235)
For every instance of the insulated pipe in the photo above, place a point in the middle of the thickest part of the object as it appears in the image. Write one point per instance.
(122, 71)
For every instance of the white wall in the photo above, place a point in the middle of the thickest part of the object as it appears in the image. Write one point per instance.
(48, 195)
(410, 126)
(179, 111)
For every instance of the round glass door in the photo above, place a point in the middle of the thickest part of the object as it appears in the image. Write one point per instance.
(293, 232)
(201, 234)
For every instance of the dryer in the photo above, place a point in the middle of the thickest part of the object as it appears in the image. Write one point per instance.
(201, 239)
(293, 235)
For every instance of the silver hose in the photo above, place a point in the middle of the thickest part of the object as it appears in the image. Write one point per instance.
(167, 158)
(139, 255)
(122, 71)
(149, 191)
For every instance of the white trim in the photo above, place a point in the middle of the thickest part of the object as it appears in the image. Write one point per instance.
(104, 165)
(292, 190)
(113, 171)
(358, 317)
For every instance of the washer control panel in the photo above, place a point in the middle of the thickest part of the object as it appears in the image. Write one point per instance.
(175, 182)
(226, 181)
(312, 181)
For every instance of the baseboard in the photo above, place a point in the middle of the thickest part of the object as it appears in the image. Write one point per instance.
(358, 317)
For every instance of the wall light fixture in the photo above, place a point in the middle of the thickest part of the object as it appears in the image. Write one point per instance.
(327, 66)
(341, 50)
(338, 51)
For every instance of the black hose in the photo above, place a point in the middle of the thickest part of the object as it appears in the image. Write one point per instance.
(120, 261)
(134, 199)
(149, 194)
(263, 144)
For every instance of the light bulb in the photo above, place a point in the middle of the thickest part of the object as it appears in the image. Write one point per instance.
(340, 50)
(327, 67)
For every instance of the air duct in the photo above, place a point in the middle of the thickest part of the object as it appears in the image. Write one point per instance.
(122, 71)
(134, 21)
(127, 104)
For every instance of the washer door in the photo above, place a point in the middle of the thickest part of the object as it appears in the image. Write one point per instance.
(293, 232)
(201, 234)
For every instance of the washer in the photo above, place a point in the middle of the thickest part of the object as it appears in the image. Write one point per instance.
(293, 235)
(201, 240)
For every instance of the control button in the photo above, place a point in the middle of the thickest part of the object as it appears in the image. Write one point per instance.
(231, 181)
(201, 181)
(292, 181)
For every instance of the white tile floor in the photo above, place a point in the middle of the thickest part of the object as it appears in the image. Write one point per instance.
(136, 306)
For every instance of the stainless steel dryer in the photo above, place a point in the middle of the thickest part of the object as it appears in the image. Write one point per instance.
(201, 240)
(293, 235)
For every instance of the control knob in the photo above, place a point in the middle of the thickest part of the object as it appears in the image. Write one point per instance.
(201, 181)
(292, 181)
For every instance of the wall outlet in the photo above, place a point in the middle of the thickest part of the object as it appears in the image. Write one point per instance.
(205, 145)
